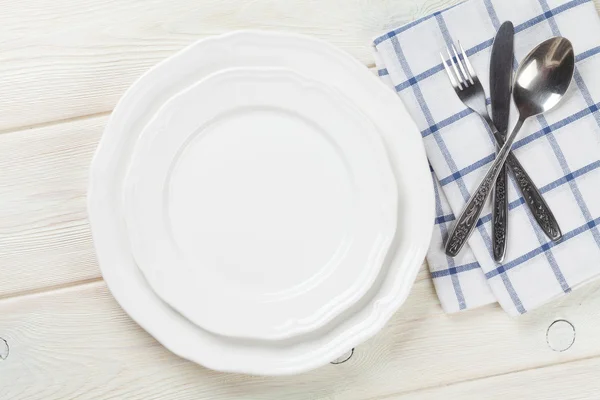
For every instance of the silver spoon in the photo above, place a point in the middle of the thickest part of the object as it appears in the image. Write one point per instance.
(542, 80)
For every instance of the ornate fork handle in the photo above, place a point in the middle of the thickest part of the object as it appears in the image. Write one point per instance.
(467, 221)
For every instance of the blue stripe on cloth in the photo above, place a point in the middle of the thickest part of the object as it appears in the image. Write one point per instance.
(460, 297)
(450, 162)
(496, 22)
(419, 78)
(555, 11)
(560, 277)
(555, 147)
(412, 80)
(492, 13)
(534, 226)
(525, 257)
(545, 131)
(383, 72)
(446, 122)
(427, 114)
(571, 176)
(543, 247)
(471, 51)
(557, 183)
(452, 119)
(462, 114)
(540, 235)
(513, 294)
(467, 170)
(586, 95)
(429, 118)
(444, 29)
(557, 125)
(587, 54)
(454, 270)
(444, 219)
(522, 142)
(547, 246)
(520, 201)
(572, 182)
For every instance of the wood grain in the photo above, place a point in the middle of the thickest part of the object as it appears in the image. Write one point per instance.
(63, 66)
(65, 59)
(76, 343)
(568, 381)
(45, 239)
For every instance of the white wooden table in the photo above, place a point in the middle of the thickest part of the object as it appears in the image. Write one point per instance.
(63, 66)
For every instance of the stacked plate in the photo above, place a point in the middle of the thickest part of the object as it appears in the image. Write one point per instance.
(260, 203)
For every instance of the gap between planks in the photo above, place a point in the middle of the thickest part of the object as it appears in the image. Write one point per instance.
(48, 124)
(51, 290)
(392, 396)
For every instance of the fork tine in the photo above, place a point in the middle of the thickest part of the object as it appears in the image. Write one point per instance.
(468, 63)
(458, 76)
(461, 66)
(453, 80)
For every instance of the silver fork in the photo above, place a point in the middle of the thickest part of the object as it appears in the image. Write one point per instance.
(470, 91)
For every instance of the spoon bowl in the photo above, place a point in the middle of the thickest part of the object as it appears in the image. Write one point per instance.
(542, 80)
(544, 77)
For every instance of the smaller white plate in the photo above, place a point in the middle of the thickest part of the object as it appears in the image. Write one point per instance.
(260, 204)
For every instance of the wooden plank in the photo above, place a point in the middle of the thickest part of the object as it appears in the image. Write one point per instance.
(76, 343)
(45, 238)
(46, 242)
(571, 381)
(64, 59)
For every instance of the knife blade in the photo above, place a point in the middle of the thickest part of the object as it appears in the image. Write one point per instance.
(501, 68)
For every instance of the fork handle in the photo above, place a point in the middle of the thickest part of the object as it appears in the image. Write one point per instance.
(533, 198)
(467, 221)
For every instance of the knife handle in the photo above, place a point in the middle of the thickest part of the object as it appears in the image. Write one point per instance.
(500, 216)
(533, 198)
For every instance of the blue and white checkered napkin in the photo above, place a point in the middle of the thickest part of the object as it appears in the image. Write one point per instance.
(560, 150)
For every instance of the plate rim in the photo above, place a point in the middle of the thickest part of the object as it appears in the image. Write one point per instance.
(415, 258)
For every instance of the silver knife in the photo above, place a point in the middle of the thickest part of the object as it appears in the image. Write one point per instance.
(500, 88)
(501, 67)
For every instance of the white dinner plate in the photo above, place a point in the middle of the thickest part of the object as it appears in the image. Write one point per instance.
(260, 204)
(322, 62)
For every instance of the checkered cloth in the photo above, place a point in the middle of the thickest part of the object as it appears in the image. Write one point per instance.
(560, 150)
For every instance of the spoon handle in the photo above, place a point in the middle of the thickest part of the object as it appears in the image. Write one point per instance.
(532, 196)
(534, 200)
(467, 221)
